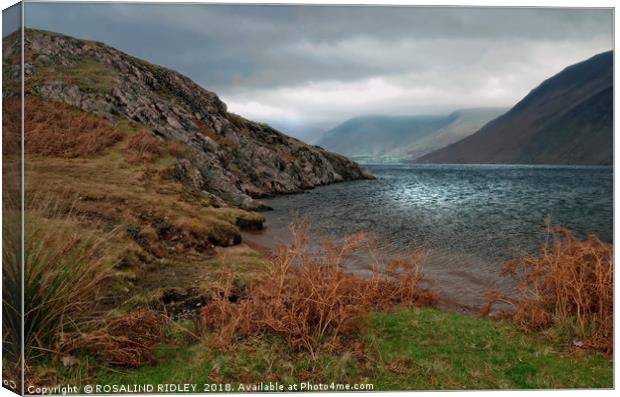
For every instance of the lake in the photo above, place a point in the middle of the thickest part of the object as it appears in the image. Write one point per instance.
(470, 218)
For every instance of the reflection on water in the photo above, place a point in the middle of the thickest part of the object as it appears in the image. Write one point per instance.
(472, 218)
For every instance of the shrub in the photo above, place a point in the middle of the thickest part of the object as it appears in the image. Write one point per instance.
(309, 299)
(571, 282)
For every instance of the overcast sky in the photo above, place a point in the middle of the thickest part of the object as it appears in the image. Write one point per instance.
(326, 64)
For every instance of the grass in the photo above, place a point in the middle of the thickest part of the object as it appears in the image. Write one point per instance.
(90, 75)
(87, 73)
(416, 349)
(59, 130)
(408, 349)
(169, 236)
(143, 147)
(454, 351)
(394, 347)
(126, 339)
(309, 299)
(244, 262)
(110, 189)
(63, 271)
(11, 275)
(146, 226)
(159, 213)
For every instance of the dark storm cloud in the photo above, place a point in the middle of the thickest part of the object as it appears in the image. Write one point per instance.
(334, 62)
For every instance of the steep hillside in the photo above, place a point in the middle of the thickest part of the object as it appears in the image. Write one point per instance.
(399, 138)
(568, 119)
(227, 156)
(308, 133)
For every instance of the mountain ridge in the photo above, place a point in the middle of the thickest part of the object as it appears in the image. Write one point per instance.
(567, 119)
(385, 138)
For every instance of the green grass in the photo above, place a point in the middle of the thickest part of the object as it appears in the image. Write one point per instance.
(426, 349)
(88, 74)
(453, 351)
(92, 76)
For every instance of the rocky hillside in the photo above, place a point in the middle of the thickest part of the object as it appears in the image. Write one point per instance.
(232, 159)
(379, 139)
(568, 119)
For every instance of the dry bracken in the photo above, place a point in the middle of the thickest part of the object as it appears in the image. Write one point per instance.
(56, 129)
(570, 282)
(308, 298)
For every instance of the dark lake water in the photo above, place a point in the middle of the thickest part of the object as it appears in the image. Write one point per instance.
(471, 218)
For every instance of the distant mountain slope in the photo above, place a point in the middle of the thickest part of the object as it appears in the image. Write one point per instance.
(227, 156)
(400, 138)
(568, 119)
(464, 123)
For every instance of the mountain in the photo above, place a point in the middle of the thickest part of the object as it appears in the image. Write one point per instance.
(226, 156)
(463, 123)
(568, 119)
(400, 138)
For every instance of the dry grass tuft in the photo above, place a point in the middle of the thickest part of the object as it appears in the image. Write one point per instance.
(56, 129)
(569, 285)
(310, 300)
(145, 148)
(126, 340)
(64, 269)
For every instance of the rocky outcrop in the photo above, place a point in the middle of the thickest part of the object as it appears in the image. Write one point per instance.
(231, 158)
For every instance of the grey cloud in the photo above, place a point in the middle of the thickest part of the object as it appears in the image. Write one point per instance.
(270, 61)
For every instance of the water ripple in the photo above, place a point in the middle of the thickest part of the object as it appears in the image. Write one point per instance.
(473, 218)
